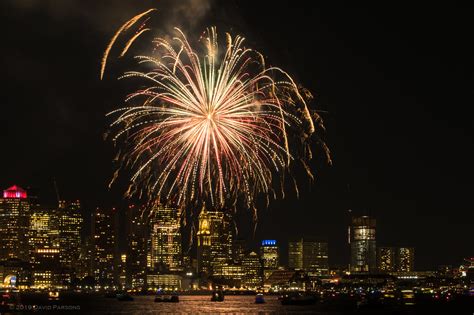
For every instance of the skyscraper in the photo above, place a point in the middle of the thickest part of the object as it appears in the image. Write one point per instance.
(295, 254)
(70, 225)
(309, 255)
(138, 234)
(103, 239)
(400, 259)
(14, 224)
(44, 247)
(386, 259)
(214, 239)
(204, 243)
(238, 250)
(253, 271)
(362, 243)
(270, 255)
(315, 256)
(165, 238)
(405, 259)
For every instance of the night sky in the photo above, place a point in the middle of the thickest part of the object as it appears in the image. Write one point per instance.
(394, 85)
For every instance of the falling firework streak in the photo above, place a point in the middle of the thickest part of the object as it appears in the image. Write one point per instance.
(209, 126)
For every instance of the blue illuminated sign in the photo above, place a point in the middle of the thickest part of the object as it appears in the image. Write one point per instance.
(269, 242)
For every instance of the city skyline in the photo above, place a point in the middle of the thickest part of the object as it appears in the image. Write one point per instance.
(127, 219)
(61, 230)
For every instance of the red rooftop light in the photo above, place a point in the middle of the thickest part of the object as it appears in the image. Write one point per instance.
(15, 192)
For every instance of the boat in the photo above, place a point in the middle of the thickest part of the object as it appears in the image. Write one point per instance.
(53, 295)
(298, 298)
(124, 297)
(217, 296)
(259, 298)
(167, 298)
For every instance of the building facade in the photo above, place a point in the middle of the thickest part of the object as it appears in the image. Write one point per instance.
(137, 252)
(405, 259)
(44, 244)
(165, 236)
(253, 271)
(310, 255)
(386, 259)
(69, 231)
(14, 224)
(395, 259)
(214, 240)
(103, 243)
(362, 244)
(270, 255)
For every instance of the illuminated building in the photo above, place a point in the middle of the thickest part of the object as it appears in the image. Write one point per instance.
(315, 256)
(295, 254)
(165, 282)
(84, 264)
(138, 235)
(214, 240)
(253, 271)
(269, 253)
(165, 236)
(103, 240)
(395, 259)
(122, 271)
(386, 259)
(362, 244)
(204, 243)
(70, 224)
(238, 250)
(44, 247)
(14, 219)
(308, 255)
(405, 259)
(228, 274)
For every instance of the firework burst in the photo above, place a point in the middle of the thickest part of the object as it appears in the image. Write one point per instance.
(209, 125)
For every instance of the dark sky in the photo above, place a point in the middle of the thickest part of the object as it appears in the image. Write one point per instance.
(395, 84)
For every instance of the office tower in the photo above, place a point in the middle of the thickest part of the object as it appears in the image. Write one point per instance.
(362, 243)
(70, 225)
(405, 259)
(308, 254)
(204, 243)
(295, 254)
(400, 259)
(238, 250)
(44, 247)
(214, 240)
(165, 236)
(122, 271)
(138, 234)
(14, 224)
(253, 271)
(386, 259)
(84, 264)
(269, 253)
(103, 238)
(315, 256)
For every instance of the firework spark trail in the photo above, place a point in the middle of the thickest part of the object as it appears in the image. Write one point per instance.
(208, 127)
(123, 28)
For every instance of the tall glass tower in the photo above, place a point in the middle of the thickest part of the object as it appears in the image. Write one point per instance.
(362, 244)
